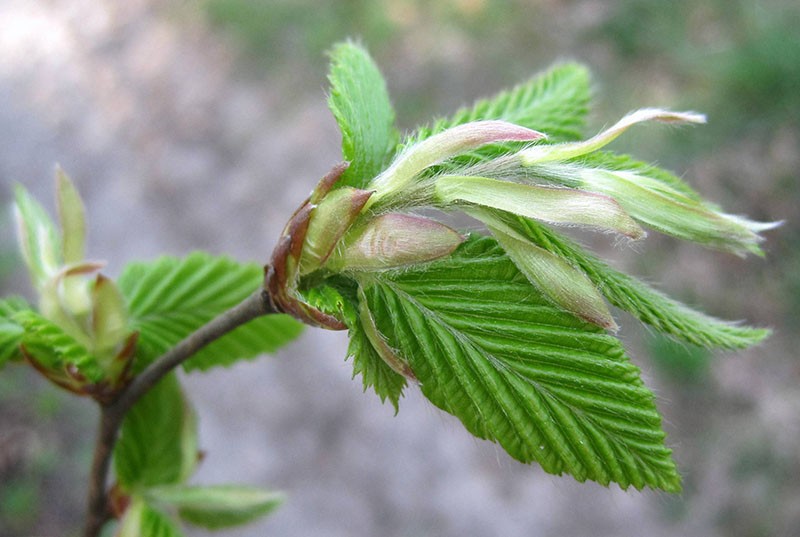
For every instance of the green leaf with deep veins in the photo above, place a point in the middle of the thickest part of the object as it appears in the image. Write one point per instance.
(360, 103)
(170, 298)
(55, 349)
(489, 349)
(11, 332)
(554, 102)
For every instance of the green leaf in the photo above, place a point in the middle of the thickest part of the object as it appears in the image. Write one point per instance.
(37, 237)
(554, 102)
(642, 301)
(158, 440)
(141, 520)
(489, 349)
(360, 103)
(220, 506)
(54, 349)
(170, 298)
(72, 217)
(619, 162)
(11, 332)
(367, 362)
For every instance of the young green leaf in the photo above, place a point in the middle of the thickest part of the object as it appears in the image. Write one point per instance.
(489, 349)
(52, 349)
(141, 520)
(170, 298)
(220, 506)
(643, 302)
(360, 103)
(554, 102)
(11, 332)
(158, 440)
(37, 237)
(72, 218)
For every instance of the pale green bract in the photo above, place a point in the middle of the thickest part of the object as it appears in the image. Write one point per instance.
(217, 506)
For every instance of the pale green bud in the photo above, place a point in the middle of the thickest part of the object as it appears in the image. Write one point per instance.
(563, 284)
(109, 317)
(657, 206)
(72, 218)
(328, 222)
(393, 241)
(560, 206)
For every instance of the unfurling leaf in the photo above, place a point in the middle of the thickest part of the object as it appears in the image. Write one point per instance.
(37, 238)
(219, 506)
(72, 217)
(442, 146)
(564, 285)
(560, 206)
(142, 520)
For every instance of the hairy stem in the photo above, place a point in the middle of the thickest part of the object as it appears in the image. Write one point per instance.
(112, 414)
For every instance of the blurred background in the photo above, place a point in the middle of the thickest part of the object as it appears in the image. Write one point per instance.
(202, 125)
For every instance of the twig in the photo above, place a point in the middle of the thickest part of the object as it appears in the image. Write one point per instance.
(112, 414)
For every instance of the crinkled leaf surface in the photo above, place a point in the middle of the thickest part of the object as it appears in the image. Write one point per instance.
(554, 102)
(53, 348)
(158, 440)
(360, 103)
(11, 332)
(170, 298)
(489, 349)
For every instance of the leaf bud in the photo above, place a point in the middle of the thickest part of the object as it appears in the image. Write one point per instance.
(392, 241)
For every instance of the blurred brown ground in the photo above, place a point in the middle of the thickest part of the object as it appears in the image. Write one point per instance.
(186, 128)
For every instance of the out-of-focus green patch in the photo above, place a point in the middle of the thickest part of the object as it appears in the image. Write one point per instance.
(19, 504)
(681, 362)
(277, 31)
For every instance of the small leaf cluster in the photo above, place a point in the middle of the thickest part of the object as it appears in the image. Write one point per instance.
(93, 335)
(507, 330)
